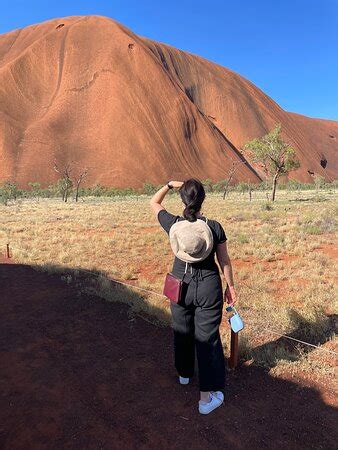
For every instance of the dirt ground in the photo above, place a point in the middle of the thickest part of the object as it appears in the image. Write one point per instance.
(78, 373)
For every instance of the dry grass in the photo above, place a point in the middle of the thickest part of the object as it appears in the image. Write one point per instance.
(284, 257)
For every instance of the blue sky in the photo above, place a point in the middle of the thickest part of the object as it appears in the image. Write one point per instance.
(289, 48)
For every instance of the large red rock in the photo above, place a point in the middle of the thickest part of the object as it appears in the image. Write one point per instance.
(89, 91)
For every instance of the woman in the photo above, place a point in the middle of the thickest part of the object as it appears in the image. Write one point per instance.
(197, 318)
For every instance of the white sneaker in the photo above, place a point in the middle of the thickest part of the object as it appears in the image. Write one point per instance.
(216, 399)
(219, 394)
(184, 380)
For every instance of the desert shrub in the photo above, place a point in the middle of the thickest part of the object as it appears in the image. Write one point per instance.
(121, 191)
(35, 189)
(241, 187)
(98, 191)
(3, 198)
(266, 207)
(328, 224)
(103, 191)
(219, 186)
(293, 185)
(325, 224)
(264, 186)
(148, 188)
(9, 191)
(307, 186)
(282, 186)
(319, 182)
(242, 239)
(49, 192)
(84, 192)
(312, 229)
(277, 239)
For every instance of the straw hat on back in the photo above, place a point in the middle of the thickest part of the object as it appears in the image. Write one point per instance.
(191, 241)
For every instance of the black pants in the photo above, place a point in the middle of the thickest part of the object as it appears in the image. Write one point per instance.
(195, 323)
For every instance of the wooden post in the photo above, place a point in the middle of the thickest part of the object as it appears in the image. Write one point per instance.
(233, 350)
(8, 251)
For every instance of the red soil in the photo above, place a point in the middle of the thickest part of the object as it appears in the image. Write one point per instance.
(328, 250)
(133, 110)
(268, 263)
(78, 373)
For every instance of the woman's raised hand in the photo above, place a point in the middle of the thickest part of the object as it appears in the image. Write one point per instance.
(176, 184)
(230, 295)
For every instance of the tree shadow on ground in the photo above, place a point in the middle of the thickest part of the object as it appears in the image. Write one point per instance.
(78, 372)
(314, 332)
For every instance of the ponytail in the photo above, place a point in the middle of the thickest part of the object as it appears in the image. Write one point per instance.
(192, 194)
(189, 213)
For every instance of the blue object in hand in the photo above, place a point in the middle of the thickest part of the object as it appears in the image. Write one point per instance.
(235, 320)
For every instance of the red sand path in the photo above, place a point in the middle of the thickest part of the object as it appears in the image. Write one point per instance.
(77, 373)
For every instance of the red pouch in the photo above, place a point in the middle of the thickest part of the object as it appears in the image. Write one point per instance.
(173, 287)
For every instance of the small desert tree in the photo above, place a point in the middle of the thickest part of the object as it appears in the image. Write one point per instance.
(234, 165)
(66, 183)
(251, 187)
(78, 178)
(9, 191)
(276, 156)
(71, 175)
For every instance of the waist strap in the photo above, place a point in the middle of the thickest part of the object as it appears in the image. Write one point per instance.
(197, 276)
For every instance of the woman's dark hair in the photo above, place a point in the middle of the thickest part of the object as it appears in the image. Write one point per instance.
(192, 194)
